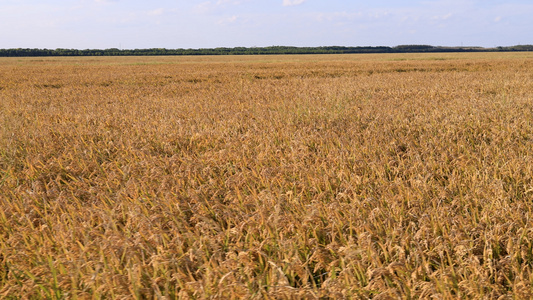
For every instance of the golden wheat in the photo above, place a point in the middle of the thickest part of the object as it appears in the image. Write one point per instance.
(285, 177)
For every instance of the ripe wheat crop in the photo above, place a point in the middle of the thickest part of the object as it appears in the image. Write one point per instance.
(282, 177)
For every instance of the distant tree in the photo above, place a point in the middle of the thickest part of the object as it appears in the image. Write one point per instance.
(253, 50)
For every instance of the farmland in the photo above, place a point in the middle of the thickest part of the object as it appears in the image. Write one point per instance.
(285, 177)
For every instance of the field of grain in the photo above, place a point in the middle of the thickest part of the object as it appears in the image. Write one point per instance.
(281, 177)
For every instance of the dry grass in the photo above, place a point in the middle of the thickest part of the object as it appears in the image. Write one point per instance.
(355, 176)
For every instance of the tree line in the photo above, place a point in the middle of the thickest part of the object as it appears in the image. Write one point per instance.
(19, 52)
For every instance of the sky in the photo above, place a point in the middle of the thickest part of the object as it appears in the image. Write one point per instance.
(136, 24)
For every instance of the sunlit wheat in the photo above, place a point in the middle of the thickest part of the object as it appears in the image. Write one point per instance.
(281, 177)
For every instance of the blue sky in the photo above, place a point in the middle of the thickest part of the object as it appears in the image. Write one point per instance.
(131, 24)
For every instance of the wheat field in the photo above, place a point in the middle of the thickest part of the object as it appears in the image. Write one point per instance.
(391, 176)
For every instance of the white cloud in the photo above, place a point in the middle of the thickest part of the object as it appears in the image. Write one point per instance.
(228, 20)
(234, 2)
(292, 2)
(156, 12)
(443, 17)
(338, 16)
(204, 7)
(105, 1)
(208, 6)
